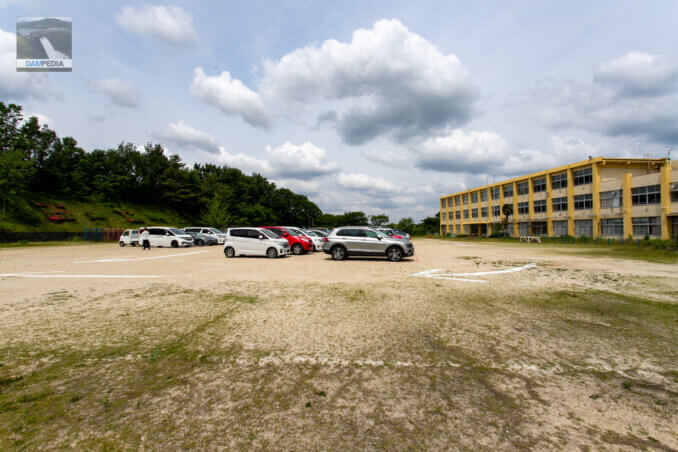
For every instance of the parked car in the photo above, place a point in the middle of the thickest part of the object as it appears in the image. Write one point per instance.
(254, 242)
(220, 235)
(200, 239)
(164, 236)
(129, 237)
(365, 241)
(391, 233)
(316, 238)
(323, 231)
(403, 233)
(298, 244)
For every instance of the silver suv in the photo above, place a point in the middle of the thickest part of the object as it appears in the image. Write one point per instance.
(365, 241)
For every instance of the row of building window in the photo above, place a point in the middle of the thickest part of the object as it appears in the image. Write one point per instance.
(608, 199)
(609, 227)
(558, 181)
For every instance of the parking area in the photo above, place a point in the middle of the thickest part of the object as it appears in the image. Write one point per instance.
(466, 344)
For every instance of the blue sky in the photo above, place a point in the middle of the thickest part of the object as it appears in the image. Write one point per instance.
(377, 106)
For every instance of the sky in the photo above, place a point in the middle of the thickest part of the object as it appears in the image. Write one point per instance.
(379, 106)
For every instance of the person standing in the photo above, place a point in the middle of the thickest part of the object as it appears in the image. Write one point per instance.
(144, 239)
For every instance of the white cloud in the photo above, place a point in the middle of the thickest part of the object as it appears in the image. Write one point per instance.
(183, 135)
(307, 187)
(18, 85)
(118, 92)
(304, 161)
(459, 151)
(231, 96)
(364, 184)
(638, 74)
(388, 158)
(169, 24)
(387, 81)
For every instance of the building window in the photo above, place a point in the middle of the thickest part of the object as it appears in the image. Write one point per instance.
(458, 228)
(483, 195)
(464, 198)
(474, 213)
(539, 228)
(560, 228)
(559, 181)
(645, 195)
(466, 214)
(467, 228)
(483, 212)
(674, 192)
(583, 177)
(539, 185)
(457, 214)
(583, 228)
(647, 226)
(508, 191)
(582, 202)
(523, 188)
(610, 199)
(496, 211)
(559, 204)
(524, 228)
(612, 226)
(495, 193)
(540, 206)
(523, 208)
(457, 200)
(474, 197)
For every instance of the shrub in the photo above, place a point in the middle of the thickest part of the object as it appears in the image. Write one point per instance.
(21, 211)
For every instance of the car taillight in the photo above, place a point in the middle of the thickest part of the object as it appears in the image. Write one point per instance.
(324, 239)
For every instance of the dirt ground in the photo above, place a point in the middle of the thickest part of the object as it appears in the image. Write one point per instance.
(108, 347)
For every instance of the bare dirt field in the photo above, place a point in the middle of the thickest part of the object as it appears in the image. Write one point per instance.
(107, 347)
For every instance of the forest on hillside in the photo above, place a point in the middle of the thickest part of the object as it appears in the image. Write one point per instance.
(35, 161)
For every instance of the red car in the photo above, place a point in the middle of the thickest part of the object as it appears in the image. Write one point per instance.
(298, 244)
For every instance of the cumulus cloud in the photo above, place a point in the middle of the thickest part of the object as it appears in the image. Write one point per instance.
(460, 151)
(304, 161)
(638, 74)
(634, 96)
(231, 96)
(118, 92)
(368, 185)
(307, 187)
(169, 24)
(387, 81)
(181, 135)
(18, 85)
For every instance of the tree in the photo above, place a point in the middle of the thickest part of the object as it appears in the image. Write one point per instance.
(430, 224)
(216, 213)
(378, 220)
(15, 173)
(353, 219)
(407, 225)
(507, 210)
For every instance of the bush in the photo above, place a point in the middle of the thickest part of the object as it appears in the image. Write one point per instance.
(93, 216)
(22, 212)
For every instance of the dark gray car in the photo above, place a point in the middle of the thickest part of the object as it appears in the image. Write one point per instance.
(365, 241)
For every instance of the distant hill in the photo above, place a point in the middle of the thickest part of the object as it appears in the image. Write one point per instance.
(42, 24)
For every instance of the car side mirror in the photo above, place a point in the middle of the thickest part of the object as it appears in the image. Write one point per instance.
(261, 237)
(379, 237)
(286, 234)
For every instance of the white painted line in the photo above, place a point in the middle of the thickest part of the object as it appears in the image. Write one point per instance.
(127, 259)
(456, 276)
(495, 272)
(37, 275)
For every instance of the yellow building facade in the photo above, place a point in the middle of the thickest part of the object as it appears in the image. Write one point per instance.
(599, 197)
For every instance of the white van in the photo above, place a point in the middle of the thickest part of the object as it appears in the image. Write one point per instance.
(129, 237)
(254, 242)
(162, 236)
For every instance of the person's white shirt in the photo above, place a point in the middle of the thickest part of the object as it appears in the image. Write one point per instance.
(144, 235)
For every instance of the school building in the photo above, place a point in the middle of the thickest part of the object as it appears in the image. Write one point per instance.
(599, 197)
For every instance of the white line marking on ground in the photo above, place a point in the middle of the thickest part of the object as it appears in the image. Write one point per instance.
(39, 275)
(455, 276)
(127, 259)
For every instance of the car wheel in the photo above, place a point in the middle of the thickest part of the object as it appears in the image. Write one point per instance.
(199, 243)
(394, 254)
(175, 244)
(297, 249)
(133, 243)
(229, 252)
(122, 244)
(272, 253)
(338, 253)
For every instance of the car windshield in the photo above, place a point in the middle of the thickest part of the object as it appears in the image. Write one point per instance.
(177, 231)
(291, 231)
(277, 232)
(380, 233)
(215, 230)
(268, 233)
(301, 232)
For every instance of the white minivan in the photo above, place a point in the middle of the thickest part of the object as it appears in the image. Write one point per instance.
(129, 237)
(162, 236)
(254, 242)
